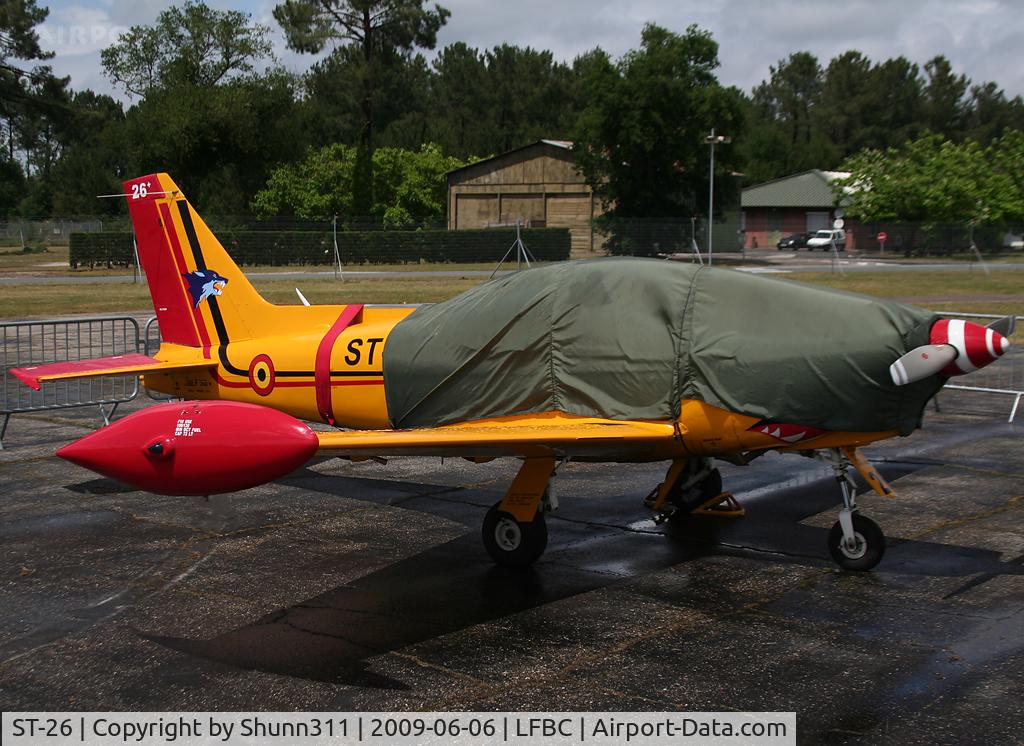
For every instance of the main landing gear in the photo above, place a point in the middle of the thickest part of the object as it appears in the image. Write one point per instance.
(515, 533)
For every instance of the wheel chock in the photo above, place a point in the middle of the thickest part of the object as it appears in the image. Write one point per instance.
(721, 506)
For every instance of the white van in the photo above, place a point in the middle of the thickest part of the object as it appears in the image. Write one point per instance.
(823, 240)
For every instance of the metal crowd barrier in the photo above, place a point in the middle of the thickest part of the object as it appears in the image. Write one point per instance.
(151, 341)
(35, 342)
(1005, 377)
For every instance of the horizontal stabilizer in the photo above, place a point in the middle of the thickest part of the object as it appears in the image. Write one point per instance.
(35, 375)
(524, 437)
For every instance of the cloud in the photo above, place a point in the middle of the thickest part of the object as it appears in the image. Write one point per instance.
(753, 35)
(980, 37)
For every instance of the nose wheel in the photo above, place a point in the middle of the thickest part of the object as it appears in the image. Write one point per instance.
(511, 542)
(863, 551)
(855, 541)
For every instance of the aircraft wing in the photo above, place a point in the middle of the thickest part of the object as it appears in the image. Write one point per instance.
(528, 436)
(35, 375)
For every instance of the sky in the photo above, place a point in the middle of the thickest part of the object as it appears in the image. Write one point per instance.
(982, 38)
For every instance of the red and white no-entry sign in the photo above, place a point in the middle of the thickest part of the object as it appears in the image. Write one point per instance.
(882, 236)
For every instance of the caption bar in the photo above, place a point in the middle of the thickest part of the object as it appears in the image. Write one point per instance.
(398, 728)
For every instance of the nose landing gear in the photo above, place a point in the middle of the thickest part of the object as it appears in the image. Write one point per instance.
(855, 541)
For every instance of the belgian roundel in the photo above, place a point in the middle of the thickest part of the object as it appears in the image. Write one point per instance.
(261, 374)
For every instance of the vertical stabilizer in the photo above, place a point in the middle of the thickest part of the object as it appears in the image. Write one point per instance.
(201, 297)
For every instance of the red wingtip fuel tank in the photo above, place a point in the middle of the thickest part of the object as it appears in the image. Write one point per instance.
(196, 448)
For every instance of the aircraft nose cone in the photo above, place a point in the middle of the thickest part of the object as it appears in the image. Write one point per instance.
(976, 345)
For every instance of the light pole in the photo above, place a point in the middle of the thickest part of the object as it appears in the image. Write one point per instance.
(713, 140)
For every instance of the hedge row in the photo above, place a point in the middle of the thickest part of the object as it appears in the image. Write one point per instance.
(279, 248)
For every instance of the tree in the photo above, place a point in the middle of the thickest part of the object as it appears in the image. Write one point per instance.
(1005, 157)
(333, 89)
(527, 90)
(19, 40)
(934, 180)
(205, 114)
(788, 106)
(379, 30)
(411, 185)
(944, 107)
(221, 141)
(847, 100)
(897, 110)
(640, 141)
(992, 113)
(192, 44)
(502, 98)
(34, 110)
(94, 161)
(12, 186)
(460, 90)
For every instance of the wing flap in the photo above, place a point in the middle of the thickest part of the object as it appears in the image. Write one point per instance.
(528, 436)
(35, 375)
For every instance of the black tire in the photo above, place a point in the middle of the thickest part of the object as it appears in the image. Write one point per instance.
(870, 544)
(512, 543)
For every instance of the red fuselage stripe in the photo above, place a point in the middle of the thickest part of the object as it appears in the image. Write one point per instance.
(179, 260)
(322, 371)
(294, 384)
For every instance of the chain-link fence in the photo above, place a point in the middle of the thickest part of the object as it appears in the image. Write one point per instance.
(373, 240)
(897, 238)
(54, 231)
(51, 231)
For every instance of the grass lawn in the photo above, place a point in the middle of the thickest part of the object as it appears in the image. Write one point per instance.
(54, 262)
(42, 301)
(969, 291)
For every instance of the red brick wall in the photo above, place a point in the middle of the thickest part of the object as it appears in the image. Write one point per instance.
(785, 221)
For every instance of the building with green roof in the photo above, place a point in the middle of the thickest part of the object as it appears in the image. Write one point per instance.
(801, 203)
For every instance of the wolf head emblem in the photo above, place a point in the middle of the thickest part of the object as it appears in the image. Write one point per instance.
(203, 283)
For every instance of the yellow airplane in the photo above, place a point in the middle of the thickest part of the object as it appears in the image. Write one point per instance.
(609, 360)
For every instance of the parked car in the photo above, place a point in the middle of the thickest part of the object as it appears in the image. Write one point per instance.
(824, 239)
(795, 241)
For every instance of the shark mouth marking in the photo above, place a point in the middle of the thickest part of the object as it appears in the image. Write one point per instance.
(790, 434)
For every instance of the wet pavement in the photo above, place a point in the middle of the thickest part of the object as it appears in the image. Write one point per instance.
(365, 587)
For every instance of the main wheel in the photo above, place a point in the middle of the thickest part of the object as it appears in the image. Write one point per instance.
(512, 543)
(868, 550)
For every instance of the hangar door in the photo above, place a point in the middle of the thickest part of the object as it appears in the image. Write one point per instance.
(571, 211)
(475, 210)
(529, 208)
